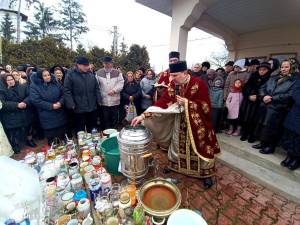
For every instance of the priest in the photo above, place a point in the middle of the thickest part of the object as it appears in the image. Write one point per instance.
(192, 142)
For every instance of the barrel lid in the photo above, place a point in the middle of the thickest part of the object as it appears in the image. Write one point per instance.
(134, 135)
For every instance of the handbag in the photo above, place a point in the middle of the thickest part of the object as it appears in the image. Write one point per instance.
(131, 112)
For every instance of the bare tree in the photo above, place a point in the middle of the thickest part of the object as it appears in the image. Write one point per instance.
(218, 59)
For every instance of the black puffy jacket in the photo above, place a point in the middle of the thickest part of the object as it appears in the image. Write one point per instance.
(282, 100)
(12, 116)
(81, 91)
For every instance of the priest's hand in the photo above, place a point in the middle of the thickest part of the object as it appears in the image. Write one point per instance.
(180, 100)
(137, 120)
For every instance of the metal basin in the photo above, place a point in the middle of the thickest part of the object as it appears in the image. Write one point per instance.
(159, 197)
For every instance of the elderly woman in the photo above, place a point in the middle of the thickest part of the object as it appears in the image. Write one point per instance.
(5, 147)
(138, 76)
(47, 96)
(131, 92)
(277, 99)
(291, 138)
(251, 101)
(16, 112)
(18, 77)
(58, 73)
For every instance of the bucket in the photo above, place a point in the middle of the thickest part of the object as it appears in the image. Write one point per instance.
(110, 148)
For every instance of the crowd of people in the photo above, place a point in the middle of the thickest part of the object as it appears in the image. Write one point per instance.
(251, 99)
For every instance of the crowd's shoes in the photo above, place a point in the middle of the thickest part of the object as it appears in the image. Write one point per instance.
(259, 146)
(267, 150)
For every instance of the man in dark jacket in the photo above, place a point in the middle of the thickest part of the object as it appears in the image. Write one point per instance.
(82, 94)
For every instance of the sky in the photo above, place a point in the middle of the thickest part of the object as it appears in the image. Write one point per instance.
(138, 24)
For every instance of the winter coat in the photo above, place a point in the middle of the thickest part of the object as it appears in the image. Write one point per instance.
(292, 121)
(249, 109)
(243, 76)
(43, 96)
(12, 116)
(216, 97)
(110, 81)
(131, 89)
(233, 103)
(147, 88)
(81, 91)
(275, 112)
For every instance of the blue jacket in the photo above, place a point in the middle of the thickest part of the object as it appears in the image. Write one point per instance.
(292, 121)
(43, 96)
(216, 97)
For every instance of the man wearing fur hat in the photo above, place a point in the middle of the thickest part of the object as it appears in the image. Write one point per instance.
(185, 112)
(165, 78)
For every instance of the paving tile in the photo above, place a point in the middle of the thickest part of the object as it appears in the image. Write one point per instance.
(256, 207)
(248, 218)
(265, 220)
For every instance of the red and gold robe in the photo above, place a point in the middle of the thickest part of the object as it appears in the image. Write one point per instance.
(195, 142)
(163, 79)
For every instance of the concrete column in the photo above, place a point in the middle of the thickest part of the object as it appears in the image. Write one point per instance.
(179, 37)
(184, 16)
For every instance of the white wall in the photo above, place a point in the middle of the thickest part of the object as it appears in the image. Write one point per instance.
(264, 43)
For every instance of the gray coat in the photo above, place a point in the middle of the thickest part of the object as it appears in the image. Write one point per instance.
(147, 87)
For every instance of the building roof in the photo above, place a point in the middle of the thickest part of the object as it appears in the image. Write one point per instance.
(241, 16)
(23, 16)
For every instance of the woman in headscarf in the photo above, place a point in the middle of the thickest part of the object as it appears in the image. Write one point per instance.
(58, 73)
(275, 66)
(277, 99)
(291, 138)
(16, 113)
(46, 94)
(251, 101)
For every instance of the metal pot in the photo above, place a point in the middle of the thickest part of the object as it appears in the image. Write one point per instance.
(134, 144)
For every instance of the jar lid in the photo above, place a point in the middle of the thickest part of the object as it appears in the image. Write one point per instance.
(67, 196)
(124, 197)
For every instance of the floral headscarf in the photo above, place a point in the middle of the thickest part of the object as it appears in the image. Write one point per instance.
(294, 65)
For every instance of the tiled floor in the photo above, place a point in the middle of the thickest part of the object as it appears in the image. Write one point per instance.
(233, 199)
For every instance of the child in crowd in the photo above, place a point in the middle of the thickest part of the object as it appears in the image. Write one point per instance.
(233, 103)
(216, 92)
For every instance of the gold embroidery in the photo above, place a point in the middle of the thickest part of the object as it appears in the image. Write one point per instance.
(171, 92)
(193, 106)
(205, 107)
(194, 147)
(201, 132)
(194, 89)
(209, 150)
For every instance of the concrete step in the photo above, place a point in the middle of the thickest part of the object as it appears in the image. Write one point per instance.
(280, 184)
(244, 150)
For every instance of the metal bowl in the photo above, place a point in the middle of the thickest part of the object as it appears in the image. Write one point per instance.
(156, 185)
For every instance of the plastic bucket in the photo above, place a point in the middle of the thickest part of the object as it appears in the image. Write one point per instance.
(110, 148)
